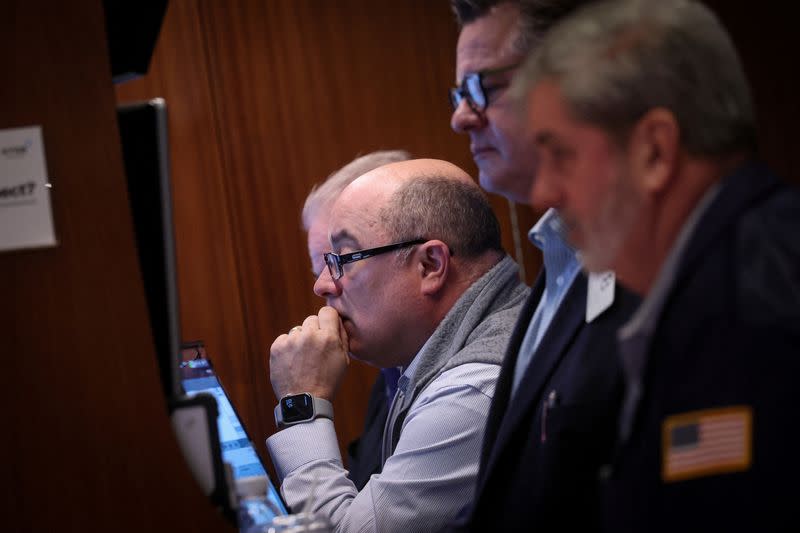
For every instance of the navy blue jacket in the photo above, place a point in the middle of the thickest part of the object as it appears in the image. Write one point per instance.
(728, 337)
(542, 452)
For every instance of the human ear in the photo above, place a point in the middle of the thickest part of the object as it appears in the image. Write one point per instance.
(654, 149)
(434, 265)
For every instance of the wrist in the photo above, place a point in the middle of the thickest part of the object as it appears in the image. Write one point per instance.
(301, 408)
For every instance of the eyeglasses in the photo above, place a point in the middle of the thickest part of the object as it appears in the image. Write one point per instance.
(336, 262)
(473, 90)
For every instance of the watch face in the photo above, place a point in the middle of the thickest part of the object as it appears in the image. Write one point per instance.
(297, 408)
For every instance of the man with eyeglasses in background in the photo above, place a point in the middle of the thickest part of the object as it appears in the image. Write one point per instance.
(417, 279)
(552, 423)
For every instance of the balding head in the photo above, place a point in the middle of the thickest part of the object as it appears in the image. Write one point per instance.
(426, 198)
(403, 171)
(388, 178)
(321, 198)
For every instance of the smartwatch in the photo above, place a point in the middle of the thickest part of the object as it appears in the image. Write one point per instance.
(299, 408)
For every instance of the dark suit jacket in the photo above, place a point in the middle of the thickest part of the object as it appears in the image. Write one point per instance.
(543, 450)
(729, 336)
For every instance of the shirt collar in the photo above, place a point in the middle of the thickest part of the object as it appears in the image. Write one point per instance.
(644, 320)
(548, 230)
(560, 260)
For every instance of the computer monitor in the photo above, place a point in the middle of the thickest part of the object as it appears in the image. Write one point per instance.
(237, 449)
(145, 152)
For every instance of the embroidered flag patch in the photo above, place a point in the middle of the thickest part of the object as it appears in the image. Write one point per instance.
(707, 442)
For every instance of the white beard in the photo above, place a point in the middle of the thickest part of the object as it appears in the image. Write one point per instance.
(605, 237)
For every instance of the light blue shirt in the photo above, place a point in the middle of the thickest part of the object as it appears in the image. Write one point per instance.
(561, 267)
(437, 454)
(400, 390)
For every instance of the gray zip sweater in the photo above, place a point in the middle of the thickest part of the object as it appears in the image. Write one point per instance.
(475, 330)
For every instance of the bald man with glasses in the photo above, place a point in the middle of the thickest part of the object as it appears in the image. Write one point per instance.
(416, 278)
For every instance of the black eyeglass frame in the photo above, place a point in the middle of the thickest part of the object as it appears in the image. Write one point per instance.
(473, 83)
(335, 262)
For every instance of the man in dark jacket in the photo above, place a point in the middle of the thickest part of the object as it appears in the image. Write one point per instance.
(552, 423)
(645, 133)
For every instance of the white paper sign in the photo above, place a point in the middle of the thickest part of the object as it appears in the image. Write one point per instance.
(26, 220)
(600, 293)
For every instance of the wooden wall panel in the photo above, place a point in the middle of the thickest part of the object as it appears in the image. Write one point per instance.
(87, 444)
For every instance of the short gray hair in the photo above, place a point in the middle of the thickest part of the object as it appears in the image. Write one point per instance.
(323, 194)
(536, 16)
(615, 60)
(436, 207)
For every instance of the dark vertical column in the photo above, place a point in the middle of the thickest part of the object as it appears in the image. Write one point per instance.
(86, 442)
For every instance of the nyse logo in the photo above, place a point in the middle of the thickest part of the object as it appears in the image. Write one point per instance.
(12, 152)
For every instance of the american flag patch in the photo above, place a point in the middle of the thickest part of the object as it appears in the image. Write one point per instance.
(707, 442)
